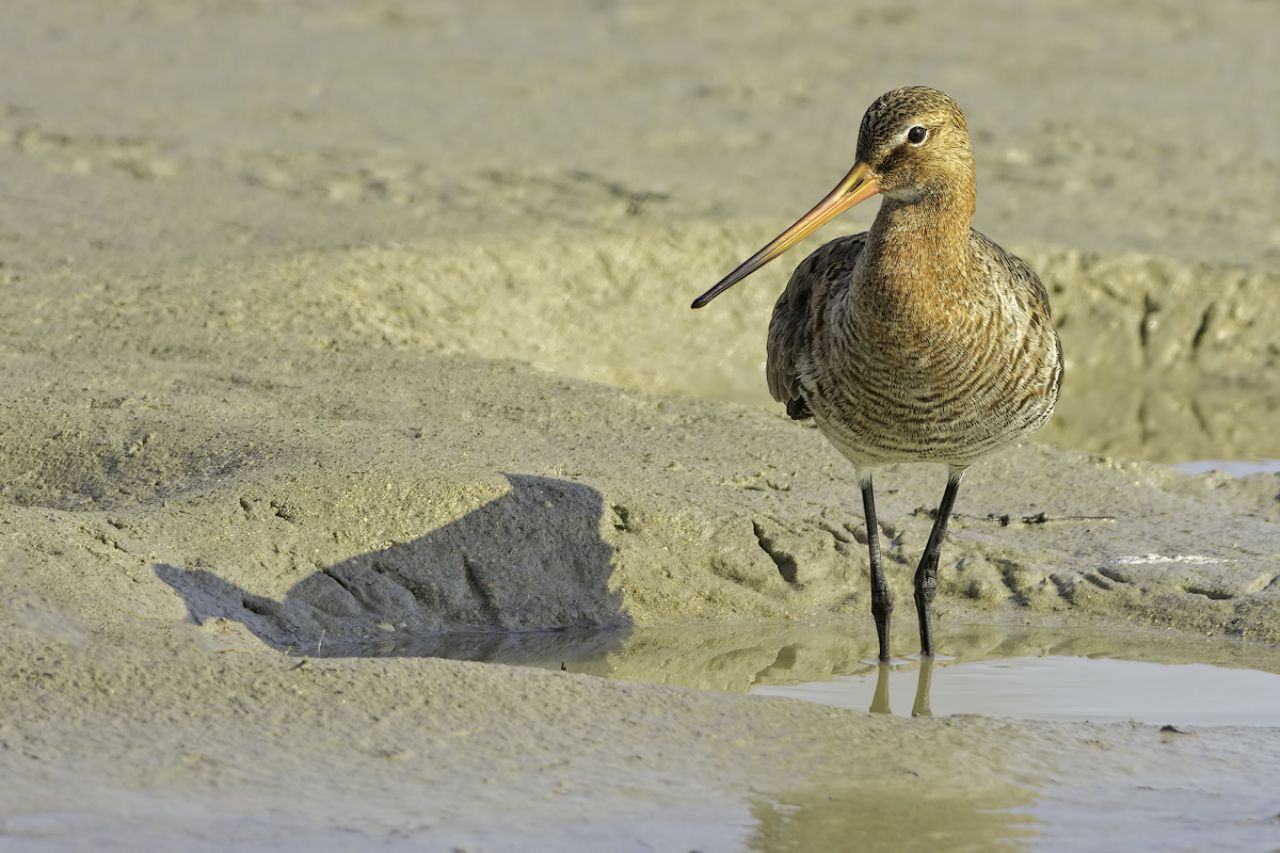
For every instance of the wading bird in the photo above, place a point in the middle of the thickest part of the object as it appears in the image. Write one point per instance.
(920, 340)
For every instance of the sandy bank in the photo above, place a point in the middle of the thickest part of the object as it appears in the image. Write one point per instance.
(364, 484)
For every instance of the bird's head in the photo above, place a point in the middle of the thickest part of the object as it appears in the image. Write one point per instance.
(913, 145)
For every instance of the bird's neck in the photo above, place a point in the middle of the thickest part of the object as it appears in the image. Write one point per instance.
(920, 248)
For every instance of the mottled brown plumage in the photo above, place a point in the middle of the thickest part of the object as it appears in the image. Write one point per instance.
(920, 340)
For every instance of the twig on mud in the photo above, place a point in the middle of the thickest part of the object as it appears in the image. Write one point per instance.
(1041, 518)
(1005, 519)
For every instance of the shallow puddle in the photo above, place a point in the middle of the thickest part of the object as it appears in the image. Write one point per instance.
(1202, 781)
(995, 671)
(1234, 467)
(1056, 687)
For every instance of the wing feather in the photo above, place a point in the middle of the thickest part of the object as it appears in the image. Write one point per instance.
(1020, 276)
(794, 316)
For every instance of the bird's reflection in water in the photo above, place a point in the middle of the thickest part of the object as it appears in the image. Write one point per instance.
(919, 708)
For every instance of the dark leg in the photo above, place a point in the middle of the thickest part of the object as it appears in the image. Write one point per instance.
(927, 573)
(881, 596)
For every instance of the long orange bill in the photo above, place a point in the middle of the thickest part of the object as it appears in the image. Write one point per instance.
(859, 185)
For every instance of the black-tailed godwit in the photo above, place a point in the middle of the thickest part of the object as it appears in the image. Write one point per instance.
(920, 340)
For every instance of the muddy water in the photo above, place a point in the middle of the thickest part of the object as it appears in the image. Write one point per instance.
(1234, 467)
(1198, 781)
(995, 671)
(1056, 687)
(1210, 790)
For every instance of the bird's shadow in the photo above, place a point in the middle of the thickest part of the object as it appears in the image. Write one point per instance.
(531, 559)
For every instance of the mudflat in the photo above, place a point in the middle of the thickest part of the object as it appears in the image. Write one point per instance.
(351, 323)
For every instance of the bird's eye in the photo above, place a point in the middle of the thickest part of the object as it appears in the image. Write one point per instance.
(917, 135)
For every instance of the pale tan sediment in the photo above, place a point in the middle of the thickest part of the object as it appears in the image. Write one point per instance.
(279, 297)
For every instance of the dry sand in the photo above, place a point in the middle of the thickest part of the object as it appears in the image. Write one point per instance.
(337, 322)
